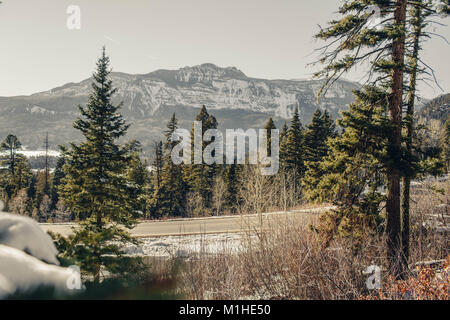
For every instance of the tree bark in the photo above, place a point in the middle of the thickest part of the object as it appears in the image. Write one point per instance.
(393, 227)
(409, 131)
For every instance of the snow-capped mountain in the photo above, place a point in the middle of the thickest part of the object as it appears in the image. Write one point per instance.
(236, 100)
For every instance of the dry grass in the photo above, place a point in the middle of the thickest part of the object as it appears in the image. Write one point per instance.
(429, 206)
(286, 261)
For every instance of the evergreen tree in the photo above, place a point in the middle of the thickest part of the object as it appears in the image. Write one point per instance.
(42, 191)
(316, 148)
(352, 173)
(138, 186)
(58, 176)
(329, 125)
(270, 125)
(283, 133)
(292, 149)
(11, 144)
(419, 13)
(354, 40)
(170, 198)
(200, 177)
(22, 173)
(10, 183)
(446, 145)
(317, 132)
(283, 136)
(95, 186)
(416, 21)
(31, 191)
(231, 177)
(158, 162)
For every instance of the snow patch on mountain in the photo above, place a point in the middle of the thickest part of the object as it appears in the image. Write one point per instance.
(39, 110)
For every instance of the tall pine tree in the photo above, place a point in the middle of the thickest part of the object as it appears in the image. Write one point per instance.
(352, 173)
(158, 162)
(317, 133)
(139, 184)
(11, 144)
(291, 151)
(58, 175)
(354, 39)
(316, 148)
(420, 12)
(170, 198)
(95, 186)
(270, 125)
(200, 177)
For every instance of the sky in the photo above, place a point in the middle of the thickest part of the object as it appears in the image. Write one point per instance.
(269, 39)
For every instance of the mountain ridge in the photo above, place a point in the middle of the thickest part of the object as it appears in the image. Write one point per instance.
(238, 101)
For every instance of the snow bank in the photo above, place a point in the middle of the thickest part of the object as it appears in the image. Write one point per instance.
(25, 234)
(22, 272)
(28, 259)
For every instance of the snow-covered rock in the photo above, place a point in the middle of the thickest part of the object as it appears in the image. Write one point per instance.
(28, 259)
(25, 234)
(21, 272)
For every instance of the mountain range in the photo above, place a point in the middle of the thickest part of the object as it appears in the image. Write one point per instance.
(237, 101)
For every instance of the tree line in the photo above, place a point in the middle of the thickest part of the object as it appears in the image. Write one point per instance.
(164, 189)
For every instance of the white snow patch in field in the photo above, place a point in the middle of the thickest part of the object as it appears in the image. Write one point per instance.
(39, 153)
(186, 246)
(35, 153)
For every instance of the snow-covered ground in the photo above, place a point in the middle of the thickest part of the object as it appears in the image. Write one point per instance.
(187, 246)
(35, 153)
(39, 153)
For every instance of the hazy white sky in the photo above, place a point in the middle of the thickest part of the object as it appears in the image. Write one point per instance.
(263, 38)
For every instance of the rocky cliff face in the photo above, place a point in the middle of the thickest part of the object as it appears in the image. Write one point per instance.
(235, 99)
